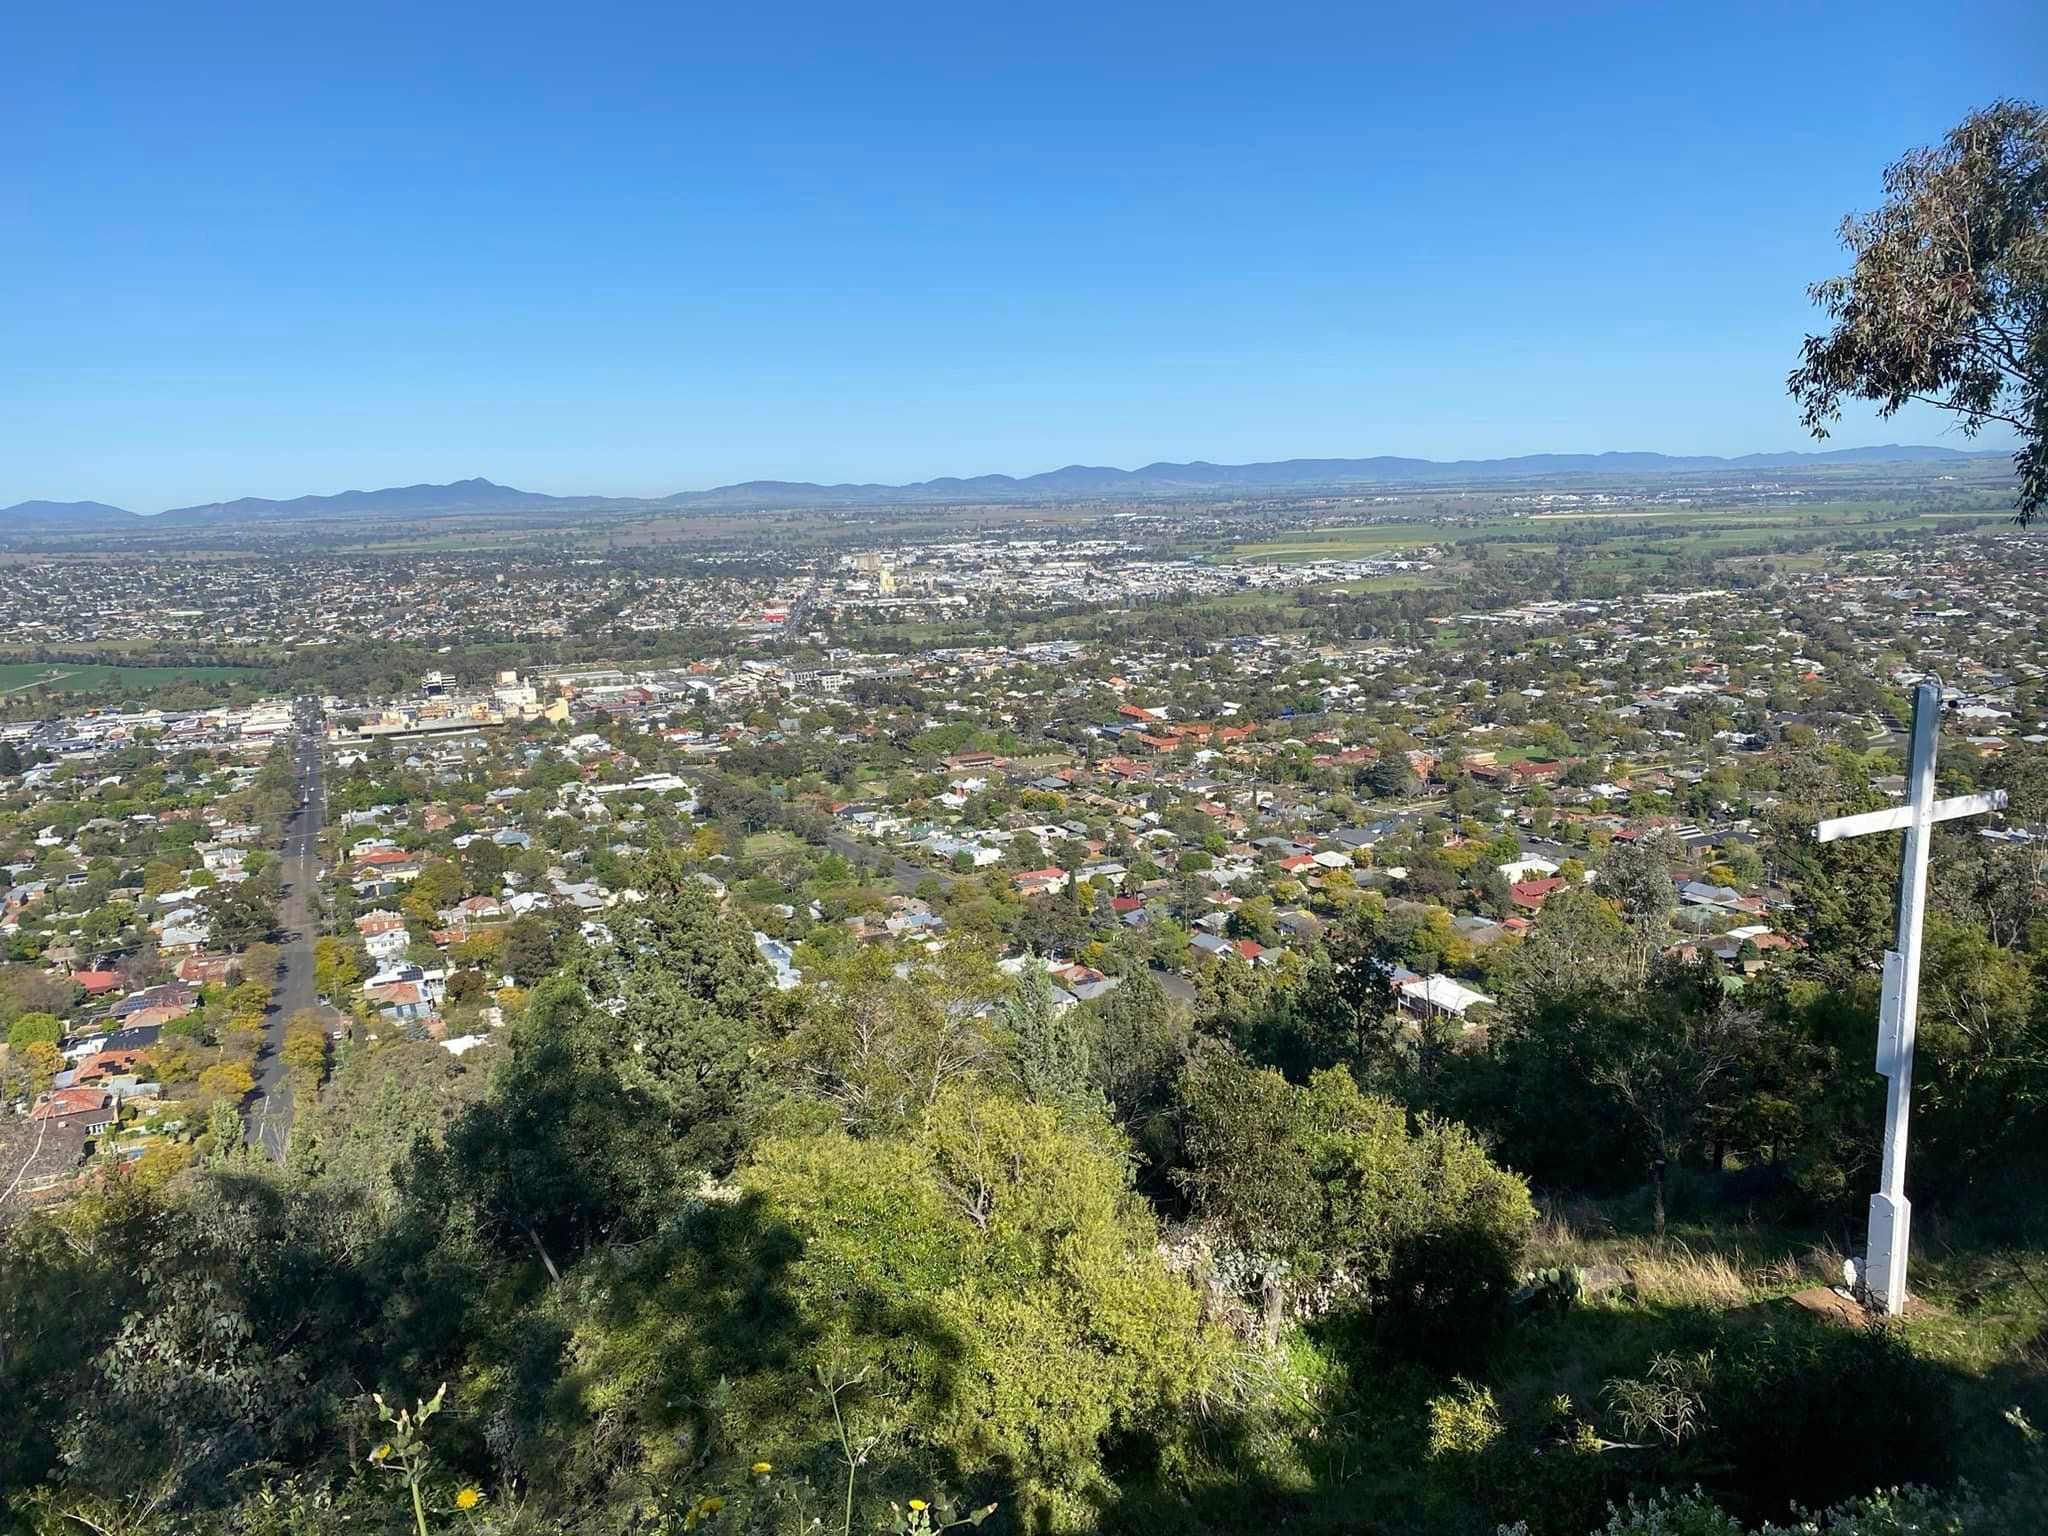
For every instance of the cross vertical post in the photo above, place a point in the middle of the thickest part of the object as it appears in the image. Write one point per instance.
(1891, 1214)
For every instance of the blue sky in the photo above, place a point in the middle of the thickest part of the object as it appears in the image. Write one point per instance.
(632, 249)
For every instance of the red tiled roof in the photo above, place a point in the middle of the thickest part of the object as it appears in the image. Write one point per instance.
(107, 1064)
(74, 1103)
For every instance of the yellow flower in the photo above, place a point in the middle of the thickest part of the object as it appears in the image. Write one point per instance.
(762, 1468)
(468, 1498)
(917, 1506)
(380, 1453)
(713, 1504)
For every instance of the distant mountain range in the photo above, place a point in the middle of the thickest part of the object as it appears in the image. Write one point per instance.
(1075, 482)
(65, 514)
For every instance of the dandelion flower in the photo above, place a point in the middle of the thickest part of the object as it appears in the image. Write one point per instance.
(917, 1506)
(468, 1498)
(762, 1468)
(381, 1452)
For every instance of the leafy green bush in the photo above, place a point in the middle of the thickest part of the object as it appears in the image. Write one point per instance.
(1891, 1512)
(997, 1282)
(1343, 1192)
(1463, 1423)
(29, 1028)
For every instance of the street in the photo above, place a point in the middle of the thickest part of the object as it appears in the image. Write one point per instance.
(270, 1108)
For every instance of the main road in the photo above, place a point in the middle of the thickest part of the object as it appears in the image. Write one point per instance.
(270, 1109)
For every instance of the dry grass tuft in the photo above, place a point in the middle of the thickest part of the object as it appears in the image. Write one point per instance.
(1563, 1230)
(1824, 1261)
(1676, 1276)
(1783, 1273)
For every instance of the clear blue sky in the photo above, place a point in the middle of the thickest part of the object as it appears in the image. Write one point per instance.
(277, 249)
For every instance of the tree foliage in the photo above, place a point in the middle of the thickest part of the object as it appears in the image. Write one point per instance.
(1948, 299)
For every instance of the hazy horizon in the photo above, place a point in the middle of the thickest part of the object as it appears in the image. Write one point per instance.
(1832, 445)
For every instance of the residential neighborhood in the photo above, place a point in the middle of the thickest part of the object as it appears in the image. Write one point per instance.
(1101, 809)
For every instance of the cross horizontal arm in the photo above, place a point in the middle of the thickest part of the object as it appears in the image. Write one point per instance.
(1900, 816)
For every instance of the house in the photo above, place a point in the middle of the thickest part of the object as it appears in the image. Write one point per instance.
(386, 864)
(160, 1015)
(387, 944)
(184, 938)
(1437, 996)
(134, 1037)
(209, 970)
(222, 859)
(103, 1064)
(980, 855)
(1355, 838)
(1040, 882)
(91, 1110)
(1530, 895)
(401, 1000)
(1299, 923)
(1698, 893)
(777, 954)
(169, 994)
(1727, 947)
(1478, 931)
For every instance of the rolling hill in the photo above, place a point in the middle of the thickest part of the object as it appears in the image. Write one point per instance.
(1073, 482)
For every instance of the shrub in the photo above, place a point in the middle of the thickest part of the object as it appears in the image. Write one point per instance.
(997, 1281)
(1808, 1413)
(1343, 1192)
(1463, 1423)
(1891, 1512)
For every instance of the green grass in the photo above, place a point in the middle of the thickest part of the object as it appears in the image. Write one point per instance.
(68, 677)
(1984, 1319)
(1399, 581)
(1358, 543)
(1346, 1447)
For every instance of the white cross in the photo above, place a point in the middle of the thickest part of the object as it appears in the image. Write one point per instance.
(1891, 1216)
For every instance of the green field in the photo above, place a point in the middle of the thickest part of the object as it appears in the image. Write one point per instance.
(1641, 539)
(68, 677)
(1363, 542)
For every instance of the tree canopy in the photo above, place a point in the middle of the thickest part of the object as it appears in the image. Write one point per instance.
(1947, 302)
